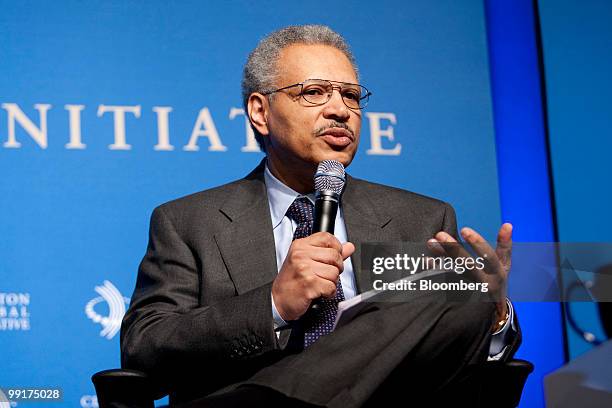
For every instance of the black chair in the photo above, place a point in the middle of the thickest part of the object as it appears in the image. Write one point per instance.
(498, 383)
(501, 383)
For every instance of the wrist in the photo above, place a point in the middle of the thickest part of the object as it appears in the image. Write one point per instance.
(502, 316)
(277, 307)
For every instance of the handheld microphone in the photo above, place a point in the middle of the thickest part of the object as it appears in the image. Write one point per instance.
(329, 182)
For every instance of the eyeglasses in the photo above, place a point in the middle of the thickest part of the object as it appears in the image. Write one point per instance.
(319, 92)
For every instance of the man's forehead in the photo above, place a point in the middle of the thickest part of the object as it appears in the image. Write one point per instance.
(299, 62)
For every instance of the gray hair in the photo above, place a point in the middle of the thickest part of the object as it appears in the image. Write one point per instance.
(261, 70)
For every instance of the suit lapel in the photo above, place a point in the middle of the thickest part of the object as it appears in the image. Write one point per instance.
(247, 244)
(365, 222)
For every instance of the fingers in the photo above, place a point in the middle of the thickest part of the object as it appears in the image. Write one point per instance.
(445, 244)
(327, 256)
(348, 249)
(504, 243)
(444, 236)
(327, 272)
(435, 247)
(324, 240)
(333, 266)
(505, 233)
(327, 289)
(310, 270)
(450, 245)
(325, 248)
(478, 243)
(321, 256)
(497, 262)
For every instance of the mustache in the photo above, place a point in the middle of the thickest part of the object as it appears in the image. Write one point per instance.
(331, 125)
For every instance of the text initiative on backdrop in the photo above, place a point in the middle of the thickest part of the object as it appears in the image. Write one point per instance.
(381, 127)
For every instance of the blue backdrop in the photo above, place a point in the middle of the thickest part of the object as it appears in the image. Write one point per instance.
(577, 39)
(109, 109)
(524, 174)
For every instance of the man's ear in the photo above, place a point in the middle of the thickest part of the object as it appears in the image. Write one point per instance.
(258, 106)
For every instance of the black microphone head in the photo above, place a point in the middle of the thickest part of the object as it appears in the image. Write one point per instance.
(330, 176)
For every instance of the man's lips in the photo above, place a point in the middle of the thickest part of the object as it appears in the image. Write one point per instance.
(338, 132)
(337, 136)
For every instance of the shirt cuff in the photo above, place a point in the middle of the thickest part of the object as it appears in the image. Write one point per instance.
(500, 340)
(279, 323)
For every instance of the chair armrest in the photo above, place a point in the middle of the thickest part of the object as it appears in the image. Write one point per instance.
(500, 384)
(503, 382)
(123, 388)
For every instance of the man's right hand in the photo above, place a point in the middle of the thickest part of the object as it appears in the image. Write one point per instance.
(311, 270)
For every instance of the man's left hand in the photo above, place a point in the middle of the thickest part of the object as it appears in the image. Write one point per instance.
(498, 260)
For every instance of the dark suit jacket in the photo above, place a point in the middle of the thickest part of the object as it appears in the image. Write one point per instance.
(201, 314)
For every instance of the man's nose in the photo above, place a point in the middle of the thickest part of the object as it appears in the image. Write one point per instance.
(335, 108)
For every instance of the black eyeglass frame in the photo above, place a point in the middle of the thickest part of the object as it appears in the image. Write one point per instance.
(366, 96)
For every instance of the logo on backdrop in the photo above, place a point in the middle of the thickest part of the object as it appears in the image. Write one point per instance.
(116, 303)
(14, 313)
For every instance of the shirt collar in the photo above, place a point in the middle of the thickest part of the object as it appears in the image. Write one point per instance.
(280, 197)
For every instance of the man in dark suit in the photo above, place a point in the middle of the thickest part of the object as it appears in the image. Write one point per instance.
(222, 305)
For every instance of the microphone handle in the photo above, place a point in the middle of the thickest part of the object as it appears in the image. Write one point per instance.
(326, 207)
